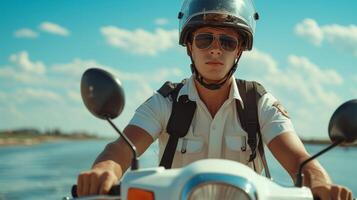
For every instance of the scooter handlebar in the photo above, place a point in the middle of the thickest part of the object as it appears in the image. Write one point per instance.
(114, 191)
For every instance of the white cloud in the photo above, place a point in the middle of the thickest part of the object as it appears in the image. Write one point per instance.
(161, 21)
(20, 76)
(140, 83)
(158, 75)
(142, 94)
(145, 85)
(138, 86)
(38, 94)
(140, 41)
(22, 60)
(54, 29)
(74, 95)
(260, 60)
(344, 37)
(312, 71)
(23, 69)
(164, 74)
(25, 33)
(78, 66)
(310, 30)
(300, 79)
(74, 68)
(302, 86)
(67, 76)
(341, 37)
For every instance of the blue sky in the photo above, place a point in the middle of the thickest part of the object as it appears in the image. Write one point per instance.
(305, 53)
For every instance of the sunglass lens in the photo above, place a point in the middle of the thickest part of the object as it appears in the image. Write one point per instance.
(203, 41)
(228, 43)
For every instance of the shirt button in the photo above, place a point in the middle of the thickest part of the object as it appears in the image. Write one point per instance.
(213, 127)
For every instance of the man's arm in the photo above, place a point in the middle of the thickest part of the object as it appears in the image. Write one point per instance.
(112, 162)
(288, 149)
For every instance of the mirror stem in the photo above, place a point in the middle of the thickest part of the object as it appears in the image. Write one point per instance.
(299, 176)
(135, 160)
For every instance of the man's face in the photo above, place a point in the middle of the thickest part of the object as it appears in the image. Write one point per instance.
(213, 60)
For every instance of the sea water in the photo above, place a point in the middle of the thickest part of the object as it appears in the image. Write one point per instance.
(48, 170)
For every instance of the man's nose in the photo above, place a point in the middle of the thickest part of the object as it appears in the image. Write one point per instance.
(215, 47)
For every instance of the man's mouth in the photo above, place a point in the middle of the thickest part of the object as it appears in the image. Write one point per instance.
(214, 63)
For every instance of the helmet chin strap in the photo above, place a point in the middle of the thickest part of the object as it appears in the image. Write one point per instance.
(213, 86)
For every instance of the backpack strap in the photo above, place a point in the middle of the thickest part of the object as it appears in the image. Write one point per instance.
(183, 110)
(250, 93)
(180, 119)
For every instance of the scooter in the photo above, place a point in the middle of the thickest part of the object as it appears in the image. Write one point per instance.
(103, 95)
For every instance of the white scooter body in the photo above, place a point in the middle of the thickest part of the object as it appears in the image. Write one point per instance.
(176, 184)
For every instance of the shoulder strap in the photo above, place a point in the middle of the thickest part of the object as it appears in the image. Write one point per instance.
(250, 93)
(179, 122)
(168, 88)
(247, 115)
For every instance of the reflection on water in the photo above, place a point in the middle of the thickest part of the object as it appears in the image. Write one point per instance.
(48, 171)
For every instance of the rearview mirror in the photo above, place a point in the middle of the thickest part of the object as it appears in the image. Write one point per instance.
(343, 123)
(102, 93)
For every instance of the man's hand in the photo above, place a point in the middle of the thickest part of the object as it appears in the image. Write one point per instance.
(109, 167)
(290, 152)
(331, 192)
(95, 181)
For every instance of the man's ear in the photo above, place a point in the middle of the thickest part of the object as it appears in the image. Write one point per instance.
(188, 48)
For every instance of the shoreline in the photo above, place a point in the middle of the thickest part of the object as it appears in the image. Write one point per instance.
(324, 142)
(29, 140)
(10, 138)
(8, 142)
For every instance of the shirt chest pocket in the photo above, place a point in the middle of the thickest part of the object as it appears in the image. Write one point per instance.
(189, 149)
(189, 145)
(235, 148)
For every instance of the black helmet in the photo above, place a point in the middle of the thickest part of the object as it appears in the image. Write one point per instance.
(238, 14)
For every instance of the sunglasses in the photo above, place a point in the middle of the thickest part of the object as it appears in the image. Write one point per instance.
(205, 40)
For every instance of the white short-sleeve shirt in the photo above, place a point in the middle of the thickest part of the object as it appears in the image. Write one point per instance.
(218, 137)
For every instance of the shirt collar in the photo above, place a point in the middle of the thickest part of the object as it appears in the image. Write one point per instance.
(234, 92)
(190, 90)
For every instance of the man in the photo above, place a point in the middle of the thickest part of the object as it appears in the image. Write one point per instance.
(215, 33)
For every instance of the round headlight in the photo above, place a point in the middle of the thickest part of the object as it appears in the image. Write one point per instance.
(210, 191)
(218, 186)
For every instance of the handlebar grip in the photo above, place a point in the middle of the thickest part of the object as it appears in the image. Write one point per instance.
(318, 198)
(114, 191)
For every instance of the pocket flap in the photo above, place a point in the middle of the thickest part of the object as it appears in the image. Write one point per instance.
(235, 142)
(186, 145)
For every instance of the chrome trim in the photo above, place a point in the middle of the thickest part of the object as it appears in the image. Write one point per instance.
(205, 178)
